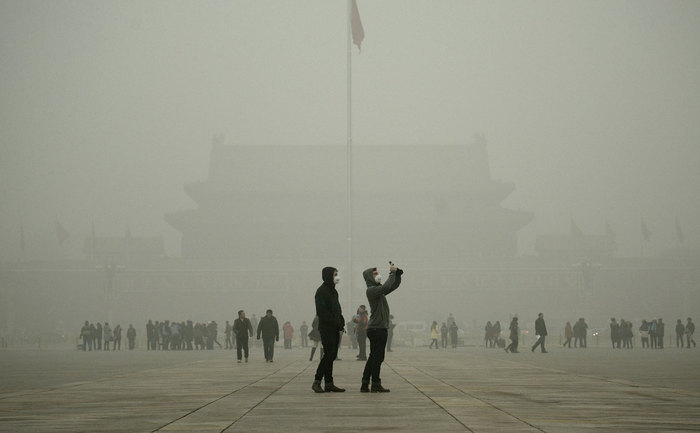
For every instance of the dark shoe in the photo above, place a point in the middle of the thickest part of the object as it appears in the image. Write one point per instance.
(544, 351)
(332, 388)
(378, 388)
(317, 386)
(364, 387)
(533, 349)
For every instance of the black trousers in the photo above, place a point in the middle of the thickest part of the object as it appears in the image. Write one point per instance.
(269, 347)
(362, 342)
(377, 345)
(241, 346)
(540, 342)
(330, 338)
(513, 346)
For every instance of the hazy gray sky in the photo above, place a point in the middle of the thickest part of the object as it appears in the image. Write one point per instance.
(108, 108)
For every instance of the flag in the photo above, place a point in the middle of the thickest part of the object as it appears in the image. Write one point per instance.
(646, 234)
(21, 237)
(679, 231)
(61, 233)
(358, 32)
(575, 230)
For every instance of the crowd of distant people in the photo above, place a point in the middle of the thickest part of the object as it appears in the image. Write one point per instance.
(99, 337)
(188, 335)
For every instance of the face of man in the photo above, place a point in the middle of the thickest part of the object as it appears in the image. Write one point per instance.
(269, 314)
(375, 273)
(242, 315)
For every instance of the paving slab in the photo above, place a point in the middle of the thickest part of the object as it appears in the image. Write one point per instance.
(462, 390)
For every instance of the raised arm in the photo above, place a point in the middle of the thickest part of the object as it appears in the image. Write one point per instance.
(392, 283)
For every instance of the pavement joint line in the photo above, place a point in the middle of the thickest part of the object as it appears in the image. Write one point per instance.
(628, 383)
(266, 397)
(102, 379)
(480, 399)
(223, 396)
(429, 398)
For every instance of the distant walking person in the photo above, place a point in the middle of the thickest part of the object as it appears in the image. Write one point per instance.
(568, 334)
(541, 331)
(131, 336)
(243, 329)
(117, 339)
(644, 334)
(488, 332)
(315, 337)
(434, 335)
(304, 331)
(680, 333)
(453, 334)
(86, 335)
(106, 335)
(689, 331)
(270, 331)
(288, 330)
(514, 336)
(390, 333)
(150, 336)
(330, 325)
(98, 335)
(228, 331)
(615, 333)
(653, 337)
(580, 333)
(443, 335)
(660, 325)
(361, 321)
(377, 329)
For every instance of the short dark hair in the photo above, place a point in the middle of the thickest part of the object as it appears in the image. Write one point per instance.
(239, 312)
(268, 311)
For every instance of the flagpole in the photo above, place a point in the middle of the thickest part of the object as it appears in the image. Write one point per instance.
(349, 151)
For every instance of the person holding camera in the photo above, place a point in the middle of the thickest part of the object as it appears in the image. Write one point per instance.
(331, 324)
(377, 329)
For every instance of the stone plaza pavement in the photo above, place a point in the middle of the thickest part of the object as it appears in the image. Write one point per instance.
(465, 389)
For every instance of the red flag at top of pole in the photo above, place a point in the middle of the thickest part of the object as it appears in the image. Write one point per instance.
(358, 32)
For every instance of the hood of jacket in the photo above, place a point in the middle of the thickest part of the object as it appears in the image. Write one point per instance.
(327, 276)
(369, 278)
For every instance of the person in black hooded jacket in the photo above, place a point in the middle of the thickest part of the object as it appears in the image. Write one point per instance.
(330, 324)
